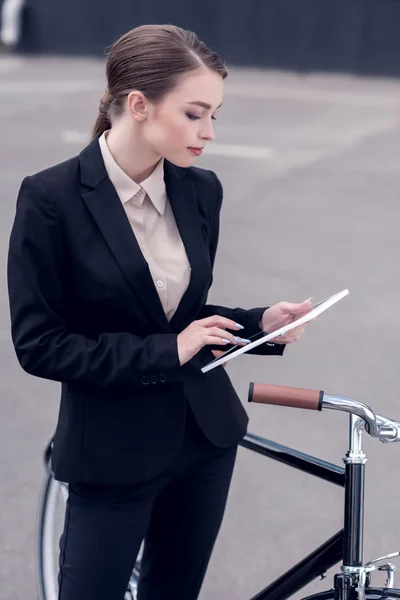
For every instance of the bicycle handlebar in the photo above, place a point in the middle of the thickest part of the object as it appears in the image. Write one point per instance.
(387, 430)
(285, 396)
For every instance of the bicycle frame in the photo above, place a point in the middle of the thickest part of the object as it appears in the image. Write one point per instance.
(326, 555)
(329, 553)
(353, 580)
(346, 545)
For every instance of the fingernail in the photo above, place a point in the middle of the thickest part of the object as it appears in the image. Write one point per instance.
(239, 326)
(240, 340)
(225, 341)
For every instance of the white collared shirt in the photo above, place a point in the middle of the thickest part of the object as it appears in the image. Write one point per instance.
(153, 223)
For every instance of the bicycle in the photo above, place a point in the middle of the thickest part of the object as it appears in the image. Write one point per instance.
(353, 582)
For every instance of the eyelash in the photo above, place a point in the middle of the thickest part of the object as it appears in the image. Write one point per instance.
(196, 118)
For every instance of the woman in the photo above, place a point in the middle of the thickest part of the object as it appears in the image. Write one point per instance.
(110, 262)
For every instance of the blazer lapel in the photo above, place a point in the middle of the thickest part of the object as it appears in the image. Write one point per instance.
(106, 209)
(182, 196)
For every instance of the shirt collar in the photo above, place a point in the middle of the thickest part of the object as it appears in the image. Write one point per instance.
(127, 189)
(154, 186)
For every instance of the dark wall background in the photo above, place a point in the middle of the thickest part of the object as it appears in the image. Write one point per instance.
(358, 36)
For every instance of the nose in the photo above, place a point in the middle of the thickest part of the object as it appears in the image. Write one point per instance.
(208, 133)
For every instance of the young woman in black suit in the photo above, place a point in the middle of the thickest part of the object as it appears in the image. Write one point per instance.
(110, 262)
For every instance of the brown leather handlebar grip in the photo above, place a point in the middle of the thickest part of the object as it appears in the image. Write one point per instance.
(285, 396)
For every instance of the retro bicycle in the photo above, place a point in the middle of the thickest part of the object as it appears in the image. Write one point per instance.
(353, 582)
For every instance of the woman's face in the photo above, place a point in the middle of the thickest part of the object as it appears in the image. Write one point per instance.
(180, 125)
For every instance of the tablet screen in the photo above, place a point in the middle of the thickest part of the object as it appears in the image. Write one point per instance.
(279, 329)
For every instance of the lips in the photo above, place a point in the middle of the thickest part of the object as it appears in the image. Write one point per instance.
(196, 151)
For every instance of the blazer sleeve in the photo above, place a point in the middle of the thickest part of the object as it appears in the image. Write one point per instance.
(249, 318)
(43, 344)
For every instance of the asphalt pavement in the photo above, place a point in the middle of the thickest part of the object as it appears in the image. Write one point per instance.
(310, 168)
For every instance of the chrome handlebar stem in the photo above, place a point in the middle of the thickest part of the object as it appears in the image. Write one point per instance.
(362, 417)
(383, 428)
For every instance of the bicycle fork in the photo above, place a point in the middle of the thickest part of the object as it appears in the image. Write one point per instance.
(353, 576)
(351, 583)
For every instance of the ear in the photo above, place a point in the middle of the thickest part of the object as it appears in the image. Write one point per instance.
(138, 106)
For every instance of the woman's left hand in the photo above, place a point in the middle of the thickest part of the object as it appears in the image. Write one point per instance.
(281, 314)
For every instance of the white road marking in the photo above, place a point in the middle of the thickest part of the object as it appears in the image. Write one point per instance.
(313, 95)
(390, 96)
(10, 64)
(232, 150)
(49, 86)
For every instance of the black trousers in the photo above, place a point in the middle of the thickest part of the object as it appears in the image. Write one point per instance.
(178, 514)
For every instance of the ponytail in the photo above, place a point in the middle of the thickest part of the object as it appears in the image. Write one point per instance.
(103, 121)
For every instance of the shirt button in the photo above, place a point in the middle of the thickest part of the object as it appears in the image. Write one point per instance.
(160, 283)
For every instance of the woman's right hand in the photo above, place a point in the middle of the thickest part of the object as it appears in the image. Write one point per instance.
(208, 331)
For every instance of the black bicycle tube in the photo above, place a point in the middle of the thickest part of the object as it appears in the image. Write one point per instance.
(354, 515)
(293, 458)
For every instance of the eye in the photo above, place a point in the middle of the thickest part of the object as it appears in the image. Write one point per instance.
(193, 117)
(214, 118)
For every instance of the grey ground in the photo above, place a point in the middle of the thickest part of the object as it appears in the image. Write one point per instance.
(310, 167)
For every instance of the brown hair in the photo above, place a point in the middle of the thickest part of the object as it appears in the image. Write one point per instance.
(151, 58)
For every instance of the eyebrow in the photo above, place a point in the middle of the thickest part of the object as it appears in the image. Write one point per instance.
(204, 104)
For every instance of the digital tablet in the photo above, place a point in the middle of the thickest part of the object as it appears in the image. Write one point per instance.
(279, 329)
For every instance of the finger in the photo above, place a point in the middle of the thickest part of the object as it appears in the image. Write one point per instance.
(281, 340)
(303, 307)
(291, 308)
(236, 340)
(218, 321)
(289, 339)
(297, 331)
(212, 340)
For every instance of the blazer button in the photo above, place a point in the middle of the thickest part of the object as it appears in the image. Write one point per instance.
(154, 379)
(145, 380)
(163, 378)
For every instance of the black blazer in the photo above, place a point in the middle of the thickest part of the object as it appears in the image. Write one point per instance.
(85, 312)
